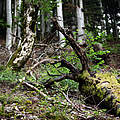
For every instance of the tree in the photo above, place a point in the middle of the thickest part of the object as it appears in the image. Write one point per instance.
(15, 22)
(9, 22)
(1, 8)
(111, 9)
(21, 55)
(19, 23)
(42, 24)
(103, 87)
(60, 20)
(80, 21)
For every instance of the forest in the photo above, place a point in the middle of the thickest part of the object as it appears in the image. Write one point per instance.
(60, 59)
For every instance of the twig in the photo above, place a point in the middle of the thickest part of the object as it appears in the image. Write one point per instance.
(44, 61)
(37, 90)
(41, 45)
(31, 73)
(52, 75)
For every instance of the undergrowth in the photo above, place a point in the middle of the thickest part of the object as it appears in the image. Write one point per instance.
(19, 102)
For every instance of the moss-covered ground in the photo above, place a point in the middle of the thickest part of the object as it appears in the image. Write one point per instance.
(19, 102)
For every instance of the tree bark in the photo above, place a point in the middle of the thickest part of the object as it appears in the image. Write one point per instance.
(42, 25)
(21, 55)
(1, 8)
(9, 22)
(19, 23)
(80, 21)
(60, 21)
(15, 22)
(76, 47)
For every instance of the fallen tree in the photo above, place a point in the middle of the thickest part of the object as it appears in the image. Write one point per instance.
(103, 88)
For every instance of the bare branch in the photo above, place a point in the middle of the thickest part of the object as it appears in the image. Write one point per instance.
(49, 82)
(63, 62)
(66, 64)
(41, 45)
(37, 90)
(78, 50)
(53, 75)
(48, 60)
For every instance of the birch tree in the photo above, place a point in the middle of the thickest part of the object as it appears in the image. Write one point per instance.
(15, 25)
(19, 23)
(80, 21)
(60, 21)
(21, 55)
(9, 22)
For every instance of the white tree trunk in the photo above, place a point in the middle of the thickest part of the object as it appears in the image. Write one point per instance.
(19, 23)
(103, 22)
(15, 25)
(9, 22)
(80, 22)
(60, 21)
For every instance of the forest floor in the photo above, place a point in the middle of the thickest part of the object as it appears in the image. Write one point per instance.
(20, 102)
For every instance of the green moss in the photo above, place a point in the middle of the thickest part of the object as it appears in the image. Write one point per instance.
(104, 86)
(15, 54)
(84, 75)
(109, 81)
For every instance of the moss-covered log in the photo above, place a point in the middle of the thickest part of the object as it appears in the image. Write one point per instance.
(103, 87)
(104, 90)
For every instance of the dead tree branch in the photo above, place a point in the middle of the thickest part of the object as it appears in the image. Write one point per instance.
(51, 81)
(78, 50)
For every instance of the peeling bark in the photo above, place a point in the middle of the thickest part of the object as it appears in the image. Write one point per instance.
(21, 55)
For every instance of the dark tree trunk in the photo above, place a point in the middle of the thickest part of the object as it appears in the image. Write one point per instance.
(1, 8)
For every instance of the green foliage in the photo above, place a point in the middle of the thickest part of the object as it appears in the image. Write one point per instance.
(54, 71)
(9, 76)
(22, 99)
(58, 111)
(95, 55)
(109, 37)
(71, 57)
